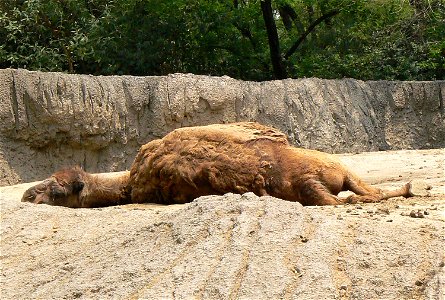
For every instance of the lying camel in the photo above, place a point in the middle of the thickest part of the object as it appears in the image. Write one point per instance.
(215, 159)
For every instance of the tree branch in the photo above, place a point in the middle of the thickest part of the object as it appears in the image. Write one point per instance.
(245, 32)
(308, 31)
(288, 15)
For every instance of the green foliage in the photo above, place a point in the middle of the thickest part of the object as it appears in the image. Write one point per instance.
(47, 34)
(179, 36)
(381, 39)
(377, 40)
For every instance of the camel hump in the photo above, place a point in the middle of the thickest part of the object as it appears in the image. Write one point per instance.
(193, 161)
(240, 133)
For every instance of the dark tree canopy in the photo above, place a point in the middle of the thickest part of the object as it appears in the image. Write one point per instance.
(250, 40)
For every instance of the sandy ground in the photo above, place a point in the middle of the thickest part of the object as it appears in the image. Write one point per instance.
(55, 252)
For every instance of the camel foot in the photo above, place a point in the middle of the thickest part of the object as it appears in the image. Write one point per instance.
(419, 188)
(353, 199)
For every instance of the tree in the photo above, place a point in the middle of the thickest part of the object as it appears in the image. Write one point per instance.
(287, 13)
(48, 34)
(245, 39)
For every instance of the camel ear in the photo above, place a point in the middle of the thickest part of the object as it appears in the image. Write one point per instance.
(78, 186)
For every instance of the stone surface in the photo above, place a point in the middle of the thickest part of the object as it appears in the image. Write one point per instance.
(51, 120)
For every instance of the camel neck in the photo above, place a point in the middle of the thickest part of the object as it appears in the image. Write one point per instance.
(105, 189)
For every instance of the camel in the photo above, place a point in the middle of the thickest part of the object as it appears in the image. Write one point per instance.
(213, 160)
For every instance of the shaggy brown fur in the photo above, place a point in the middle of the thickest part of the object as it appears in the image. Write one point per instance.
(215, 159)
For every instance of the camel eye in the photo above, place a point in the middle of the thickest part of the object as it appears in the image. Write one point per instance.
(78, 186)
(57, 193)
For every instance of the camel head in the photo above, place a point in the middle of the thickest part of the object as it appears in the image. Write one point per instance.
(63, 188)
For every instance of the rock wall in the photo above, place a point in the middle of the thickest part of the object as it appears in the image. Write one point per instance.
(51, 120)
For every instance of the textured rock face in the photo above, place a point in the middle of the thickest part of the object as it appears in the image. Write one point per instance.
(51, 120)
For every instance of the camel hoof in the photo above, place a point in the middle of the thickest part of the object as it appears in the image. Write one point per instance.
(419, 188)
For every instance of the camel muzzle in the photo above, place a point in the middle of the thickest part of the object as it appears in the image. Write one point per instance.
(37, 194)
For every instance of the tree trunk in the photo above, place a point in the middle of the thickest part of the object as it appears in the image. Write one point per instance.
(274, 44)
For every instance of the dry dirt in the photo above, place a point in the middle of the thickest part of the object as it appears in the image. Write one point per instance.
(235, 247)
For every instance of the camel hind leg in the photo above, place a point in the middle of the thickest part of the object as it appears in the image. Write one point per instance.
(313, 192)
(366, 193)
